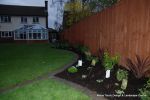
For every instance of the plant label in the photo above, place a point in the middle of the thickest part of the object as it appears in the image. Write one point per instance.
(79, 62)
(107, 73)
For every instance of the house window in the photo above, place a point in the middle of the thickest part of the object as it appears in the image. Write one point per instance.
(6, 34)
(35, 19)
(23, 19)
(31, 35)
(5, 19)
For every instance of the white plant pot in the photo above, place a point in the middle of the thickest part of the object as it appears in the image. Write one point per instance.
(79, 62)
(107, 74)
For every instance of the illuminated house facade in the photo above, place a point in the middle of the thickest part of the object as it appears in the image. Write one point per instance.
(23, 23)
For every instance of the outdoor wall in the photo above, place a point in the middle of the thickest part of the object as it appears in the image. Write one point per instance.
(16, 23)
(122, 29)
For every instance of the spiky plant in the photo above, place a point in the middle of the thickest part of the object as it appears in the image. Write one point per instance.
(140, 67)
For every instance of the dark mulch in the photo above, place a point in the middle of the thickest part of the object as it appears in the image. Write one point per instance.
(107, 87)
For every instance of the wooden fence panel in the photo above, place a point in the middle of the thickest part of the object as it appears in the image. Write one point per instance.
(122, 29)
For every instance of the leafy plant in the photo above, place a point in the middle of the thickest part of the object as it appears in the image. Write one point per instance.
(72, 69)
(121, 74)
(140, 67)
(83, 49)
(145, 92)
(119, 92)
(94, 61)
(148, 84)
(88, 56)
(109, 62)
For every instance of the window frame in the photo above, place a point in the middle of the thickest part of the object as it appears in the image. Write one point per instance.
(6, 34)
(24, 19)
(35, 19)
(32, 35)
(5, 19)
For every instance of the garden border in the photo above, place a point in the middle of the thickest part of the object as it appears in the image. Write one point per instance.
(92, 94)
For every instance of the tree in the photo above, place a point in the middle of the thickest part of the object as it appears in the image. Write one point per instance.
(79, 9)
(76, 10)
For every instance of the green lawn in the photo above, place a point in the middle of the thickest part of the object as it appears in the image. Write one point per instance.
(19, 62)
(45, 90)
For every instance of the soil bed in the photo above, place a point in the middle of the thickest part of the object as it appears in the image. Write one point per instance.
(107, 87)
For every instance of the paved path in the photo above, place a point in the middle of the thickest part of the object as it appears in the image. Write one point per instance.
(85, 90)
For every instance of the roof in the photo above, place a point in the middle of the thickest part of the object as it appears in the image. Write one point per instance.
(31, 27)
(52, 30)
(15, 10)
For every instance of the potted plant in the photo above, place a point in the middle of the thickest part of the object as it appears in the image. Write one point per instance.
(122, 75)
(109, 62)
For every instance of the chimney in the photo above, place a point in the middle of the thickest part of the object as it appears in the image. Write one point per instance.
(46, 5)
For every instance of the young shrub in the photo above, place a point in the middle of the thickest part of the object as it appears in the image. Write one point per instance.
(145, 92)
(140, 67)
(94, 61)
(88, 56)
(83, 49)
(109, 62)
(121, 74)
(72, 69)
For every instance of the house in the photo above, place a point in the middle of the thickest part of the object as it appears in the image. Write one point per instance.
(23, 23)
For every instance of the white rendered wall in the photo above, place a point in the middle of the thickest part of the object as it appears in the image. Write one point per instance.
(16, 23)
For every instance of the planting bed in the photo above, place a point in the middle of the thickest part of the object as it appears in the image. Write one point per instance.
(108, 86)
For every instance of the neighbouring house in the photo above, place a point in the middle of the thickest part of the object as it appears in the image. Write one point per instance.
(23, 23)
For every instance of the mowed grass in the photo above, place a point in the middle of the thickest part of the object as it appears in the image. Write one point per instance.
(45, 90)
(20, 62)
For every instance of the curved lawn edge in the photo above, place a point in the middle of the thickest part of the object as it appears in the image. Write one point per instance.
(85, 90)
(21, 62)
(78, 87)
(41, 77)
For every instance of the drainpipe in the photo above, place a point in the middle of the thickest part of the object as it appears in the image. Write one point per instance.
(46, 10)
